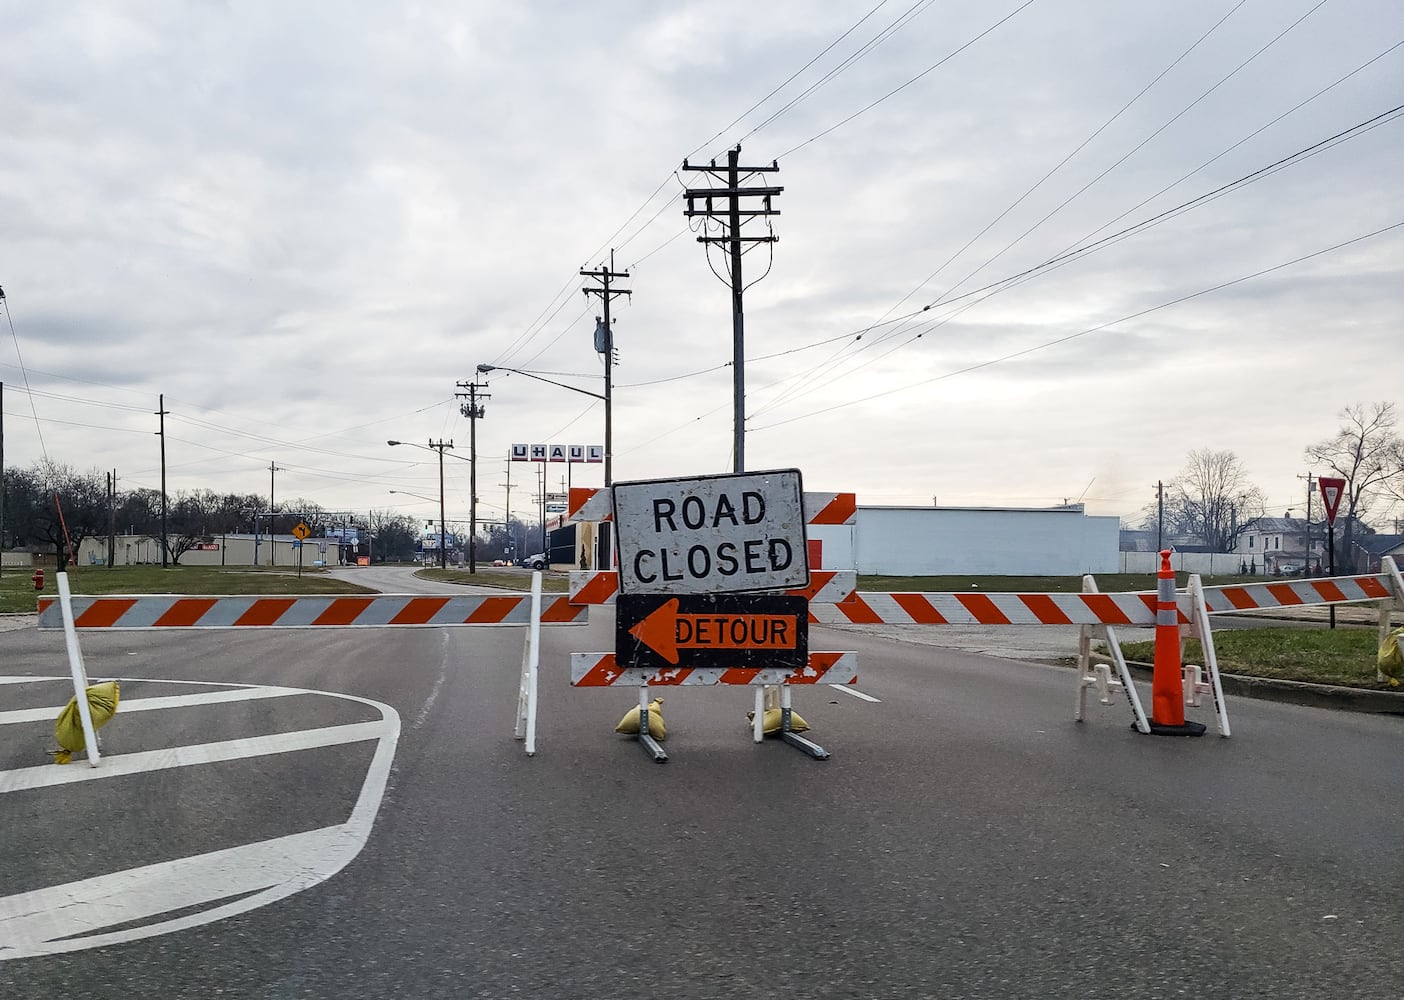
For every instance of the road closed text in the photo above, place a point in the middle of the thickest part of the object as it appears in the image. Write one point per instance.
(728, 559)
(716, 534)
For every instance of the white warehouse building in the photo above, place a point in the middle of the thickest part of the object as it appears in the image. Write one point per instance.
(996, 541)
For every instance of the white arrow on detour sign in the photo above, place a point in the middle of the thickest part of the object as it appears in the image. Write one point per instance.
(131, 904)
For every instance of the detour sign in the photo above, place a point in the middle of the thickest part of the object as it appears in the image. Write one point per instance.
(712, 630)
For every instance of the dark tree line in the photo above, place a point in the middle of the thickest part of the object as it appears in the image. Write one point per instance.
(41, 501)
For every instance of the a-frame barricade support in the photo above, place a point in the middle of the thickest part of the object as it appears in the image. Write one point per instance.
(1090, 675)
(531, 664)
(1195, 683)
(78, 670)
(1391, 570)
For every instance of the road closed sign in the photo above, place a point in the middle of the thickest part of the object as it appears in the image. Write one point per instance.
(712, 534)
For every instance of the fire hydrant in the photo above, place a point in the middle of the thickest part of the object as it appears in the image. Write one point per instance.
(39, 578)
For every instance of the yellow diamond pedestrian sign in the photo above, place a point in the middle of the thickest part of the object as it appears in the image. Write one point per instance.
(301, 531)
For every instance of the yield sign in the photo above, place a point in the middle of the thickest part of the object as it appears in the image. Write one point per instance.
(1331, 490)
(656, 631)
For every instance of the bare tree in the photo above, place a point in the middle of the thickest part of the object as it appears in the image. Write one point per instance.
(58, 507)
(1212, 499)
(1368, 454)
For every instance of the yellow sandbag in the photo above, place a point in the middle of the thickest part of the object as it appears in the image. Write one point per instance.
(770, 721)
(629, 725)
(68, 727)
(1391, 657)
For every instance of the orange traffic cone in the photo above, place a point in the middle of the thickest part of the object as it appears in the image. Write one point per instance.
(1167, 685)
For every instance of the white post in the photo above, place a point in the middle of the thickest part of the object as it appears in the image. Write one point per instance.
(758, 717)
(1138, 714)
(534, 663)
(1396, 582)
(1200, 614)
(75, 665)
(1084, 656)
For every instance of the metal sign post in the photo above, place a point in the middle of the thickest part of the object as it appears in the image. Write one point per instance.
(1331, 491)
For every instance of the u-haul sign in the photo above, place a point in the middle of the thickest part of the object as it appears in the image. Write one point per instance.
(712, 534)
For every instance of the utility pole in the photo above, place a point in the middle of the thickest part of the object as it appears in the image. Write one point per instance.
(1160, 517)
(1311, 488)
(272, 539)
(604, 344)
(723, 205)
(541, 500)
(161, 412)
(472, 410)
(511, 530)
(439, 446)
(2, 470)
(111, 518)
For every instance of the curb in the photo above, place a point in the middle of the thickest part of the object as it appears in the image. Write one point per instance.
(1345, 699)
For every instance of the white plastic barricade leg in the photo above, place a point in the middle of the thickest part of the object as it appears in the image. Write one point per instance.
(80, 673)
(1100, 677)
(1199, 625)
(531, 660)
(1396, 583)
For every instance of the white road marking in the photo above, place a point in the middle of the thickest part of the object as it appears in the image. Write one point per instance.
(120, 765)
(855, 692)
(45, 921)
(151, 704)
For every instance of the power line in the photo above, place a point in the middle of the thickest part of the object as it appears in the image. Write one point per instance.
(1082, 333)
(892, 93)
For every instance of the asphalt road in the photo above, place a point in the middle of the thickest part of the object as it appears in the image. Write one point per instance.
(966, 839)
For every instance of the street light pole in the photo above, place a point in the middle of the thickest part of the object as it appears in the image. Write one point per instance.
(438, 446)
(443, 526)
(606, 398)
(472, 409)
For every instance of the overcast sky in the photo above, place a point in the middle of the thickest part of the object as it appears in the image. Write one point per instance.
(305, 223)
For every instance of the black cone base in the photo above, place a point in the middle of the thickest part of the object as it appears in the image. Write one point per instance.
(1188, 729)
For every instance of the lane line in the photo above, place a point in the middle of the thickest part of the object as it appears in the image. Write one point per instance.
(162, 701)
(48, 775)
(44, 921)
(857, 694)
(65, 911)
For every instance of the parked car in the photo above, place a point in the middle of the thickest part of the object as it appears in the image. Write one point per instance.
(537, 561)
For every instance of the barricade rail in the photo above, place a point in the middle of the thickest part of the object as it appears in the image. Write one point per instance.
(336, 611)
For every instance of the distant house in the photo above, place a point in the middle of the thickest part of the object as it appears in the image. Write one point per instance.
(1279, 545)
(1370, 551)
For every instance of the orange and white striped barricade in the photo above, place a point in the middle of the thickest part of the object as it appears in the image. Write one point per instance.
(1385, 589)
(1096, 613)
(165, 611)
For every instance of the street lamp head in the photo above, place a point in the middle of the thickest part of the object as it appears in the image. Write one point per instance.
(484, 369)
(393, 443)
